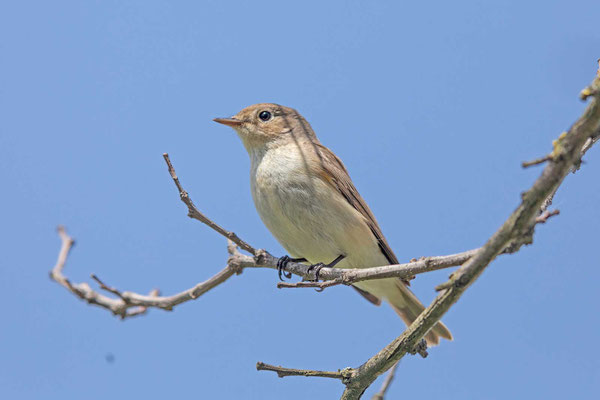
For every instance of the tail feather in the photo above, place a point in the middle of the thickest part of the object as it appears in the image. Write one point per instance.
(409, 307)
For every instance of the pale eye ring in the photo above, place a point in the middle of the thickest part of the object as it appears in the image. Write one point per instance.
(265, 116)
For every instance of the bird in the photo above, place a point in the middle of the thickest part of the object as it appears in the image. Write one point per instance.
(304, 195)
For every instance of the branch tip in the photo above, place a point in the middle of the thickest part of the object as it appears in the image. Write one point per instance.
(544, 216)
(194, 213)
(537, 161)
(386, 383)
(282, 372)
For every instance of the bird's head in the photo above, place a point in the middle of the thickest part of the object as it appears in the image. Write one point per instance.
(267, 123)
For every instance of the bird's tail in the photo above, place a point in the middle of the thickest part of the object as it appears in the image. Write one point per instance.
(409, 307)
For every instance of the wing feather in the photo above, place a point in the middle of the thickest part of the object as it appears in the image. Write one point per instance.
(334, 172)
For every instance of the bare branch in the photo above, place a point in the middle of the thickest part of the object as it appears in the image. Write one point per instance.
(283, 372)
(320, 286)
(337, 276)
(126, 302)
(526, 164)
(193, 212)
(107, 288)
(566, 154)
(386, 383)
(543, 217)
(139, 310)
(129, 304)
(132, 304)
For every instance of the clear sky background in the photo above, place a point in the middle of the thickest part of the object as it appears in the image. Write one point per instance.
(432, 107)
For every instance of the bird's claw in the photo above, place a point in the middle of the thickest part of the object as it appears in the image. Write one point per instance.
(281, 264)
(317, 268)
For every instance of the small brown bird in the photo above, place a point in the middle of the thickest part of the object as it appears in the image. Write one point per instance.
(305, 197)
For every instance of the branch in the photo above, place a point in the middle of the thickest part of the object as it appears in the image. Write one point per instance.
(193, 212)
(337, 276)
(386, 383)
(407, 271)
(537, 161)
(129, 304)
(516, 231)
(566, 155)
(283, 372)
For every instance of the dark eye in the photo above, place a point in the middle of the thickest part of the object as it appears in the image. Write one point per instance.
(265, 116)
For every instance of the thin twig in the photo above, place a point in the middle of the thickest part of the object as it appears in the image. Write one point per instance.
(128, 303)
(386, 383)
(283, 372)
(543, 217)
(526, 164)
(310, 284)
(349, 276)
(107, 288)
(193, 212)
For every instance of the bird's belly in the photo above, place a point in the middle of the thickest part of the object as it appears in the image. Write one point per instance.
(313, 221)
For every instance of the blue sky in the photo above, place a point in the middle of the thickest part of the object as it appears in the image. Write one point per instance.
(432, 107)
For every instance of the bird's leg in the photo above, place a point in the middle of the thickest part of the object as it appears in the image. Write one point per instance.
(317, 267)
(282, 263)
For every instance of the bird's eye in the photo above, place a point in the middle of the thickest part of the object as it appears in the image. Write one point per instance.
(265, 116)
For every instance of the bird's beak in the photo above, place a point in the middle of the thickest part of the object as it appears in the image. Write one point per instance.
(229, 121)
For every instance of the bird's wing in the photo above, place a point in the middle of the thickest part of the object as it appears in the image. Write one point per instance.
(334, 172)
(403, 301)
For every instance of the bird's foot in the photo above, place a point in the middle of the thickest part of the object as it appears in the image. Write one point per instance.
(318, 266)
(282, 264)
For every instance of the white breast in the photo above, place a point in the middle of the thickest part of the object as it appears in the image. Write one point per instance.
(307, 216)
